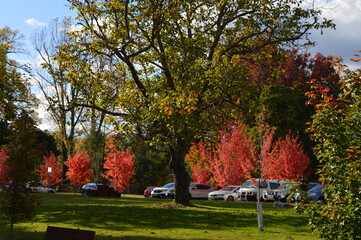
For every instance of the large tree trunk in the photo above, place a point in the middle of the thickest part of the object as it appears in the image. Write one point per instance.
(181, 176)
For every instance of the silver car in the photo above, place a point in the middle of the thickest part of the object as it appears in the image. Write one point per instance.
(228, 193)
(38, 187)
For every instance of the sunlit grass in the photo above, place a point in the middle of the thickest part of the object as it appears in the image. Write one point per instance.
(135, 217)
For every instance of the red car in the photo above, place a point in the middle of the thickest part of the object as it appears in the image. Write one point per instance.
(148, 191)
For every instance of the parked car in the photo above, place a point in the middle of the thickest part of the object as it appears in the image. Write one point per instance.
(280, 193)
(195, 191)
(38, 187)
(166, 191)
(199, 190)
(249, 189)
(317, 193)
(148, 191)
(305, 187)
(228, 193)
(88, 186)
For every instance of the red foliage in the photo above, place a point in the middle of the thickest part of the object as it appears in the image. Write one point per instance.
(235, 156)
(199, 158)
(4, 179)
(286, 161)
(79, 171)
(55, 176)
(120, 167)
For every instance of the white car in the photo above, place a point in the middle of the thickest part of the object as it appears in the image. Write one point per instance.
(195, 191)
(228, 193)
(167, 191)
(249, 189)
(38, 187)
(281, 193)
(88, 186)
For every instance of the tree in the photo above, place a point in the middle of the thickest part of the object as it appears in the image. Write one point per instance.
(52, 176)
(235, 158)
(151, 164)
(94, 145)
(4, 179)
(15, 94)
(79, 171)
(286, 161)
(336, 129)
(170, 58)
(58, 92)
(23, 157)
(120, 167)
(200, 158)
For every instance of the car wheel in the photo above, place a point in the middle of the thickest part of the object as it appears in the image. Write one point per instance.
(285, 199)
(149, 196)
(51, 191)
(230, 199)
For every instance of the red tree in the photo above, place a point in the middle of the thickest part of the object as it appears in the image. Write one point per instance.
(55, 176)
(199, 158)
(79, 171)
(235, 156)
(286, 161)
(120, 167)
(4, 179)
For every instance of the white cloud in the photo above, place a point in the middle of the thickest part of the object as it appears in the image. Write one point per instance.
(35, 23)
(342, 11)
(346, 39)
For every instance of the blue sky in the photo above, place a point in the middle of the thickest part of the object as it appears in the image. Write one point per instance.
(27, 15)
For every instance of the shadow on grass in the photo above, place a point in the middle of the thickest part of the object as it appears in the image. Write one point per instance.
(115, 218)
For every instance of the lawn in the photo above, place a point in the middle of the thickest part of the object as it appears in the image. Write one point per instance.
(135, 217)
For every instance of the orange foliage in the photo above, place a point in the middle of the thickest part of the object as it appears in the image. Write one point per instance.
(79, 169)
(199, 158)
(120, 167)
(55, 176)
(235, 157)
(286, 161)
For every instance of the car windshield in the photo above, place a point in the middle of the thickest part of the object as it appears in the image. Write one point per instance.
(248, 184)
(228, 188)
(317, 188)
(169, 185)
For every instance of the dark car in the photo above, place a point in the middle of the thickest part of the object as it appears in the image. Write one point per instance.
(148, 191)
(317, 193)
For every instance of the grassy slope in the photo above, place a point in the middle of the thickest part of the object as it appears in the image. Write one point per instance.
(134, 217)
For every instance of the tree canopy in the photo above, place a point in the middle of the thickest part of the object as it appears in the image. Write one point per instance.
(169, 61)
(336, 128)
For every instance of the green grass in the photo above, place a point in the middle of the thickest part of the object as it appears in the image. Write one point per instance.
(135, 217)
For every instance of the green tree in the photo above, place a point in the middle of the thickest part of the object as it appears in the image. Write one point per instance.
(151, 165)
(14, 83)
(94, 145)
(24, 156)
(171, 60)
(336, 127)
